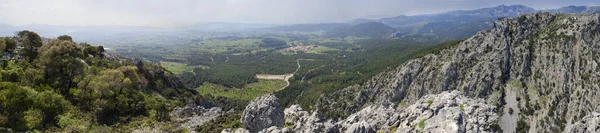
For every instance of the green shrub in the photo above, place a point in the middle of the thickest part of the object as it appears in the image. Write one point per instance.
(522, 126)
(393, 129)
(288, 125)
(422, 123)
(430, 102)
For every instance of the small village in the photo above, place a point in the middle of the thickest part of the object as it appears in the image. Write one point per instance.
(298, 48)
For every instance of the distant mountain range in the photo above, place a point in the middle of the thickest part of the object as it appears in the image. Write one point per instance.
(435, 28)
(451, 25)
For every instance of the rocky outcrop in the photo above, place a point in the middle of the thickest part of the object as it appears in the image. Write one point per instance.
(588, 124)
(194, 116)
(449, 112)
(376, 117)
(360, 127)
(549, 61)
(275, 129)
(262, 113)
(445, 112)
(301, 121)
(238, 130)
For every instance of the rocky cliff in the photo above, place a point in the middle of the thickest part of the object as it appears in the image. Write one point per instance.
(445, 112)
(262, 113)
(539, 70)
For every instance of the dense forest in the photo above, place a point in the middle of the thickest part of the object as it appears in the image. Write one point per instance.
(58, 85)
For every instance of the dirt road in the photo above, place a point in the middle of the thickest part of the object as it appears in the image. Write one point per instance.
(284, 77)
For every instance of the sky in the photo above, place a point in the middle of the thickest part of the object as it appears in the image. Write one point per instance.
(184, 12)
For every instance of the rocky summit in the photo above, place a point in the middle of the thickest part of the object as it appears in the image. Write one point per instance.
(262, 113)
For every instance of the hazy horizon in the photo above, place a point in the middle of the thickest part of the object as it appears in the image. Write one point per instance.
(186, 12)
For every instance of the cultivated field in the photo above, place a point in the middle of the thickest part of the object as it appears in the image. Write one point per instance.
(271, 77)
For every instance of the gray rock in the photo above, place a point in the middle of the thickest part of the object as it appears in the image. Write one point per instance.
(588, 124)
(192, 116)
(360, 127)
(376, 117)
(262, 113)
(238, 130)
(448, 112)
(304, 122)
(445, 112)
(275, 129)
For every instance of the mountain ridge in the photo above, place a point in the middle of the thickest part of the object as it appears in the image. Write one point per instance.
(519, 58)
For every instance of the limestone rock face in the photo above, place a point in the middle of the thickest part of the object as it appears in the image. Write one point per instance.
(588, 124)
(360, 127)
(448, 112)
(304, 122)
(262, 113)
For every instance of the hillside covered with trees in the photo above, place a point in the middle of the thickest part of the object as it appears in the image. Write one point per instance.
(56, 85)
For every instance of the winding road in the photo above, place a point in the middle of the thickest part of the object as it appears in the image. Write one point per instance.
(287, 77)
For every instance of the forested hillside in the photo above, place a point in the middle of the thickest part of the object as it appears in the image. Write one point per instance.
(56, 84)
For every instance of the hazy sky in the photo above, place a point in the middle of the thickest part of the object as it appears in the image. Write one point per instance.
(177, 12)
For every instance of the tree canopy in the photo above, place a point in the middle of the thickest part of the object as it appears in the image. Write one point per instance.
(30, 41)
(65, 38)
(62, 86)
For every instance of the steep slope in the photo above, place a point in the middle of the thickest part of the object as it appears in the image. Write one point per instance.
(547, 64)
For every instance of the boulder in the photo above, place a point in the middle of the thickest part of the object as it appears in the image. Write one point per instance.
(263, 112)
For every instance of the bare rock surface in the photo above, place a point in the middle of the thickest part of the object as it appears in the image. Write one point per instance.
(304, 122)
(448, 112)
(194, 116)
(237, 130)
(262, 113)
(588, 124)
